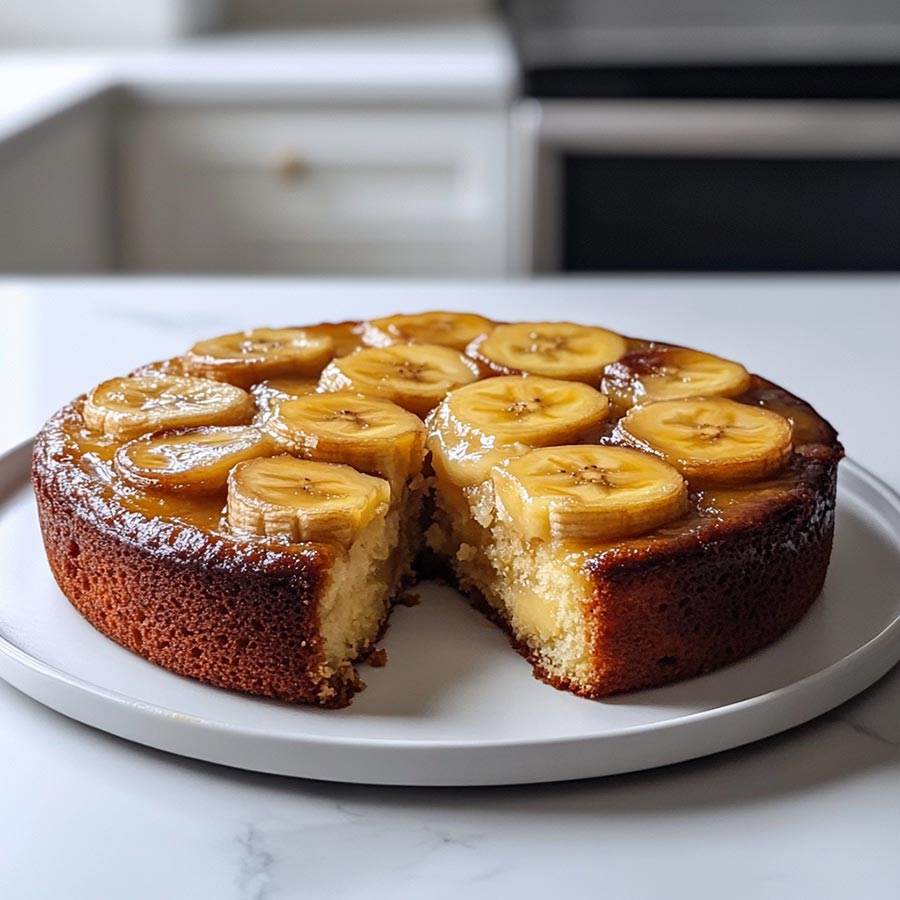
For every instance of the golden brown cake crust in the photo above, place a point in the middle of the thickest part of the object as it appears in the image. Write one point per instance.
(237, 614)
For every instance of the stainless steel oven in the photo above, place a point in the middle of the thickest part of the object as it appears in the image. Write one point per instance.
(705, 185)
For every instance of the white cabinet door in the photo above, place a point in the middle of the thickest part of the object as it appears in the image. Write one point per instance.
(54, 195)
(349, 191)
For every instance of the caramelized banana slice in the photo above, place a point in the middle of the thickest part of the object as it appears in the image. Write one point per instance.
(368, 433)
(711, 440)
(248, 357)
(347, 336)
(414, 376)
(587, 492)
(449, 329)
(127, 407)
(304, 500)
(554, 349)
(269, 393)
(196, 460)
(669, 373)
(481, 424)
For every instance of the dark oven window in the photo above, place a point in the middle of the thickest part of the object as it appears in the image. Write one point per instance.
(701, 214)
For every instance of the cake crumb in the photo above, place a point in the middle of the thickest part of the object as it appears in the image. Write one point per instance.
(378, 658)
(408, 598)
(466, 553)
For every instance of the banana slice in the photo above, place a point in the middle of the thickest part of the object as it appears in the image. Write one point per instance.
(449, 329)
(481, 424)
(535, 411)
(127, 407)
(587, 493)
(346, 336)
(711, 439)
(195, 460)
(414, 376)
(368, 433)
(304, 500)
(269, 393)
(554, 349)
(247, 357)
(669, 373)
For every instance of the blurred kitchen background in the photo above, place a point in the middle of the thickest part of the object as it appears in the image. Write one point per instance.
(449, 138)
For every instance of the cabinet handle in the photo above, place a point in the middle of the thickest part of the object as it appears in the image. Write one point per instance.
(289, 167)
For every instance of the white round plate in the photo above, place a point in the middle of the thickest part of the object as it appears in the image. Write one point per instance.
(455, 705)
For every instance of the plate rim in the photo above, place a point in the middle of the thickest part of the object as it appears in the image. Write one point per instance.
(14, 478)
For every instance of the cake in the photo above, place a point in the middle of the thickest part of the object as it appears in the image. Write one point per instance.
(631, 512)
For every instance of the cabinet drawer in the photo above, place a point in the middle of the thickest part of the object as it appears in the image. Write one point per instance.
(319, 191)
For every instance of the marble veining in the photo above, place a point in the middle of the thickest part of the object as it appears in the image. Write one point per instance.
(871, 732)
(254, 878)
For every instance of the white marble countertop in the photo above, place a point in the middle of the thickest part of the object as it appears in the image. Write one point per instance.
(811, 813)
(466, 61)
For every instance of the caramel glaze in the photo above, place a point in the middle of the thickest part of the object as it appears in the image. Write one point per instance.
(83, 459)
(814, 439)
(93, 453)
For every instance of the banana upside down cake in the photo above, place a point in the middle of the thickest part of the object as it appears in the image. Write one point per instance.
(629, 511)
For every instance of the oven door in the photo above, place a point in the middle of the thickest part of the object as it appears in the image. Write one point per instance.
(705, 186)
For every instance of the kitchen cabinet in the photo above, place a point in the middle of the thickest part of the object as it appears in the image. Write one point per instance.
(54, 203)
(312, 189)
